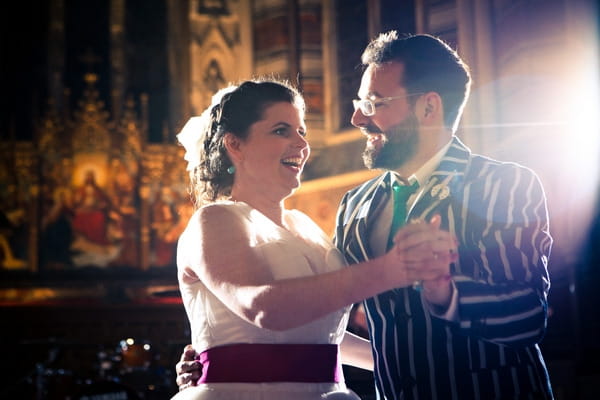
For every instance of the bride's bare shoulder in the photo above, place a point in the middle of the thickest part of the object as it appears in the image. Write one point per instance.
(216, 210)
(214, 217)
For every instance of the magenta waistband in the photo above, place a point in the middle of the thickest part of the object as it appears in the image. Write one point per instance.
(254, 363)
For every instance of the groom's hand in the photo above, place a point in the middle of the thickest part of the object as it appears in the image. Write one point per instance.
(188, 369)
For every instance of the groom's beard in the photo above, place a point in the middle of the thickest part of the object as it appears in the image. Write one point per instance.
(400, 146)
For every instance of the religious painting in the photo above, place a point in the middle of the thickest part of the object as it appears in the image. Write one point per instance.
(91, 219)
(90, 193)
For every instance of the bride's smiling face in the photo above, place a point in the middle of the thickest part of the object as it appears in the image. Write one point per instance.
(272, 157)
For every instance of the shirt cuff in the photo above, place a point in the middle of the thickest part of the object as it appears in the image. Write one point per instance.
(449, 314)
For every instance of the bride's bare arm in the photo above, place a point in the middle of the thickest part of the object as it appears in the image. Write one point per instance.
(242, 281)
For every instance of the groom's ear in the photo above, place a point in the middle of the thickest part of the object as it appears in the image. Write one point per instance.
(430, 109)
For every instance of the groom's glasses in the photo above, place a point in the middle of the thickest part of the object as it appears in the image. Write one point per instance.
(368, 107)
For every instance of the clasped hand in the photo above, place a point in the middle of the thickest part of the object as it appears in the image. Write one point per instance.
(423, 252)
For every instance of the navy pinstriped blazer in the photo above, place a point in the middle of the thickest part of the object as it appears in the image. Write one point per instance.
(498, 213)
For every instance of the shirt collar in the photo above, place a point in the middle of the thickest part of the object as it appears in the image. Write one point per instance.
(425, 170)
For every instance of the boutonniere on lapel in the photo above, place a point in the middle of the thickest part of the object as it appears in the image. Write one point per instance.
(438, 192)
(441, 191)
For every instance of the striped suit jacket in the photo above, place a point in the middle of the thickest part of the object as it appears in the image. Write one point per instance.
(498, 213)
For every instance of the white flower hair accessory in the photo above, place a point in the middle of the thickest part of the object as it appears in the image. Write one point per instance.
(193, 133)
(190, 138)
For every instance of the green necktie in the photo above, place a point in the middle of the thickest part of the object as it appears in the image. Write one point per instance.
(401, 195)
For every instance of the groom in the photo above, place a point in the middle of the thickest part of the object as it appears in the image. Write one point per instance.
(476, 335)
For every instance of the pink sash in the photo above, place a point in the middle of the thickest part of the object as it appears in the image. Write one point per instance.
(254, 363)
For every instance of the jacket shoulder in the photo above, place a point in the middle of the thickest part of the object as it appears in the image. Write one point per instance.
(483, 167)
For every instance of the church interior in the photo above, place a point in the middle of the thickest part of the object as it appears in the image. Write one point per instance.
(93, 187)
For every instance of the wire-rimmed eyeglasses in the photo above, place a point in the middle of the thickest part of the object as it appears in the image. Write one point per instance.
(368, 107)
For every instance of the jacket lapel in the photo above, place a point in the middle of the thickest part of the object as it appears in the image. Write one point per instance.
(444, 185)
(365, 206)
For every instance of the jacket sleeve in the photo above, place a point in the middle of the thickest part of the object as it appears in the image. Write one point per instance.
(502, 278)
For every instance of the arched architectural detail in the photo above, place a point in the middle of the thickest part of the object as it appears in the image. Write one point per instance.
(213, 65)
(220, 48)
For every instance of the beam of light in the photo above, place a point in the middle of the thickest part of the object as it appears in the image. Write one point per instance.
(580, 139)
(548, 113)
(523, 124)
(582, 109)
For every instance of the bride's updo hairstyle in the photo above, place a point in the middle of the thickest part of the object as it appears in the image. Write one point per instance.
(234, 109)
